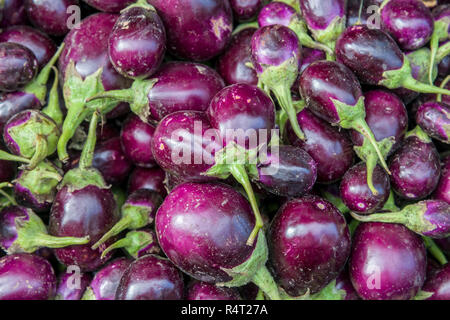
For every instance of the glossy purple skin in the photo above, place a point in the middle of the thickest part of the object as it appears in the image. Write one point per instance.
(439, 284)
(310, 56)
(368, 53)
(14, 102)
(415, 169)
(183, 86)
(87, 46)
(137, 43)
(309, 244)
(153, 247)
(50, 16)
(434, 118)
(188, 213)
(38, 42)
(18, 66)
(66, 281)
(291, 172)
(272, 45)
(386, 116)
(26, 198)
(437, 214)
(151, 278)
(197, 30)
(276, 13)
(114, 6)
(147, 178)
(106, 280)
(390, 253)
(442, 191)
(8, 230)
(111, 161)
(89, 211)
(343, 283)
(353, 11)
(245, 10)
(355, 192)
(409, 22)
(444, 66)
(178, 126)
(319, 14)
(136, 139)
(232, 64)
(13, 13)
(330, 148)
(326, 80)
(145, 198)
(26, 276)
(198, 290)
(242, 106)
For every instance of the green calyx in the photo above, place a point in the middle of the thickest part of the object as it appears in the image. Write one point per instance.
(421, 59)
(88, 294)
(442, 52)
(134, 242)
(298, 25)
(141, 4)
(293, 3)
(79, 178)
(38, 87)
(240, 163)
(32, 235)
(418, 133)
(329, 35)
(53, 109)
(41, 181)
(423, 295)
(254, 270)
(390, 204)
(330, 292)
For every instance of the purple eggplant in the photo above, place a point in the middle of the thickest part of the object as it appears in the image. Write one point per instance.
(376, 59)
(138, 211)
(326, 19)
(71, 286)
(415, 167)
(309, 56)
(38, 42)
(344, 283)
(442, 191)
(288, 172)
(137, 243)
(83, 196)
(196, 30)
(437, 285)
(137, 42)
(151, 278)
(175, 87)
(111, 161)
(388, 262)
(409, 22)
(215, 255)
(86, 70)
(136, 138)
(105, 282)
(330, 148)
(151, 178)
(309, 244)
(283, 14)
(23, 231)
(276, 57)
(357, 195)
(246, 10)
(36, 189)
(13, 13)
(429, 218)
(114, 6)
(441, 17)
(26, 276)
(198, 290)
(18, 66)
(434, 118)
(52, 17)
(233, 64)
(332, 92)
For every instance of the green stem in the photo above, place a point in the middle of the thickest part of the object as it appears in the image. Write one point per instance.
(116, 245)
(390, 204)
(388, 217)
(435, 251)
(443, 84)
(87, 155)
(353, 225)
(240, 174)
(260, 295)
(123, 95)
(371, 163)
(122, 224)
(412, 84)
(442, 52)
(361, 5)
(5, 194)
(243, 26)
(39, 86)
(283, 94)
(434, 44)
(264, 280)
(40, 153)
(361, 126)
(45, 240)
(53, 109)
(10, 157)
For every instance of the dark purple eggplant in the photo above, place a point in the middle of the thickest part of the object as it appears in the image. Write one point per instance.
(143, 178)
(434, 118)
(71, 285)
